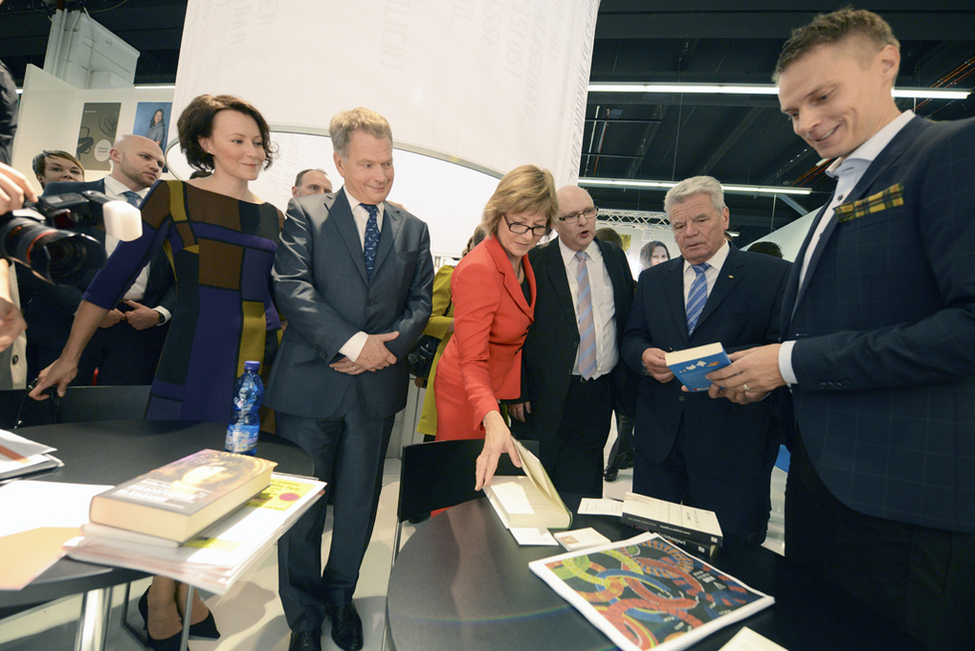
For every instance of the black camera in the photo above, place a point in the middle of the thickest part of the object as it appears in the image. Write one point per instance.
(43, 236)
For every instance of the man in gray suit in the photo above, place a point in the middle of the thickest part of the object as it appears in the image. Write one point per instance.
(353, 277)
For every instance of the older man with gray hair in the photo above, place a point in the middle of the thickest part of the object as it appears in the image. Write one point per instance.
(688, 448)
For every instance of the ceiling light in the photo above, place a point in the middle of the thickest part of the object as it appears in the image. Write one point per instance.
(637, 184)
(744, 89)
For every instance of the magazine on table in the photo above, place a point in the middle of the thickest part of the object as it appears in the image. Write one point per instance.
(645, 593)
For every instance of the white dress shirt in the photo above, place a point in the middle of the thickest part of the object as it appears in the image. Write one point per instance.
(603, 305)
(353, 347)
(847, 172)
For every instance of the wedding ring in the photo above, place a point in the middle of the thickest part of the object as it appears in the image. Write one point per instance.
(746, 386)
(356, 369)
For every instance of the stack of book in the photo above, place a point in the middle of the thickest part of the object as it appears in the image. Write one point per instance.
(205, 519)
(695, 530)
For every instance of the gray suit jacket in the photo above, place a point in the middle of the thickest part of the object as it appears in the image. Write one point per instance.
(322, 289)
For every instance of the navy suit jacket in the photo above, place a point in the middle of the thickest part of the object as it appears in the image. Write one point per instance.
(553, 339)
(884, 325)
(322, 289)
(723, 440)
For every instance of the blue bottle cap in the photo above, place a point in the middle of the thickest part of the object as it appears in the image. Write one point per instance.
(252, 366)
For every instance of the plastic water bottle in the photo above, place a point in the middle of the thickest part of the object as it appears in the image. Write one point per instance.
(248, 396)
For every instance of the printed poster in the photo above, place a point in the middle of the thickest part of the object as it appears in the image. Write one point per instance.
(99, 127)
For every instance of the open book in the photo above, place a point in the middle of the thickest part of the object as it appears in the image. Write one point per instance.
(530, 500)
(646, 593)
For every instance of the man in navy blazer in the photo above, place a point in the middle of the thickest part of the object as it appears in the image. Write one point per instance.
(879, 339)
(687, 448)
(568, 413)
(126, 349)
(353, 276)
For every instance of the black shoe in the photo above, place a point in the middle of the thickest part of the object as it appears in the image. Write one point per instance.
(346, 626)
(206, 629)
(611, 473)
(170, 643)
(306, 640)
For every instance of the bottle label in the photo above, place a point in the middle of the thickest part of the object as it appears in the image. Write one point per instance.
(242, 439)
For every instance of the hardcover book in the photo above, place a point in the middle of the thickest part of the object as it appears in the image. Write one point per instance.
(645, 593)
(530, 500)
(672, 519)
(182, 498)
(691, 365)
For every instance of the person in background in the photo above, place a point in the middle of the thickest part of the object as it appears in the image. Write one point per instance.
(766, 247)
(53, 165)
(126, 347)
(878, 345)
(572, 377)
(157, 129)
(221, 238)
(311, 181)
(353, 277)
(621, 454)
(689, 448)
(441, 326)
(494, 304)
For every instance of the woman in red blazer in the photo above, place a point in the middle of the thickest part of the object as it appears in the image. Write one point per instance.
(493, 289)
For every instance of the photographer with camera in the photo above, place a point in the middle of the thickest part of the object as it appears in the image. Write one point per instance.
(14, 188)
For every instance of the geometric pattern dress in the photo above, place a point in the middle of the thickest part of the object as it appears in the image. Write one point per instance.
(221, 250)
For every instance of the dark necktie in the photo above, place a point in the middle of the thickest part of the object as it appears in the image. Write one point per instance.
(372, 237)
(132, 197)
(697, 297)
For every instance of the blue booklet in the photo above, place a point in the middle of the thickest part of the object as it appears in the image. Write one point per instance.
(691, 365)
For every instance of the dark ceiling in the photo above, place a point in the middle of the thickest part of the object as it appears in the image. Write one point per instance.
(740, 139)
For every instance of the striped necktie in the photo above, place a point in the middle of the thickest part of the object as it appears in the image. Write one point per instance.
(132, 197)
(372, 237)
(697, 297)
(587, 327)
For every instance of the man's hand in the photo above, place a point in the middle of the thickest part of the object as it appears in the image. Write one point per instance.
(11, 323)
(14, 189)
(518, 410)
(751, 375)
(653, 361)
(113, 317)
(141, 317)
(375, 356)
(497, 440)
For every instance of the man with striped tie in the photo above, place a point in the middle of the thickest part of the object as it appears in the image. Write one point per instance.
(688, 448)
(571, 375)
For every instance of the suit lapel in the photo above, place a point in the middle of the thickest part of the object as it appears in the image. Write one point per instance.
(556, 274)
(887, 157)
(673, 290)
(392, 222)
(341, 213)
(510, 280)
(728, 277)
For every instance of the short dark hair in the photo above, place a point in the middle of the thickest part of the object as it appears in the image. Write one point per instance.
(39, 164)
(607, 234)
(766, 247)
(196, 121)
(302, 173)
(831, 28)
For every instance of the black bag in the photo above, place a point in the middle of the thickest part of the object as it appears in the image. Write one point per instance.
(420, 357)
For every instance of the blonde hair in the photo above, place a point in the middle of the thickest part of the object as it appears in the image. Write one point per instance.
(346, 123)
(524, 189)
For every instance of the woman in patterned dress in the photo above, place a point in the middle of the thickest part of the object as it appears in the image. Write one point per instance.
(220, 239)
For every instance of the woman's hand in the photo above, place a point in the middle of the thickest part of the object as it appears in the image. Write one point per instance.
(497, 440)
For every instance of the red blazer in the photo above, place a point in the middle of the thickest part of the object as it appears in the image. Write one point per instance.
(491, 319)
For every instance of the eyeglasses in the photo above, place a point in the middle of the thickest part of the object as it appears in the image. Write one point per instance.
(521, 229)
(588, 213)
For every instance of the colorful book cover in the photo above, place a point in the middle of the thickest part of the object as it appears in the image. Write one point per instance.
(691, 365)
(645, 593)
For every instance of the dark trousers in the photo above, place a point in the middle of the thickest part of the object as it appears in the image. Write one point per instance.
(742, 505)
(574, 459)
(624, 437)
(921, 578)
(122, 355)
(349, 450)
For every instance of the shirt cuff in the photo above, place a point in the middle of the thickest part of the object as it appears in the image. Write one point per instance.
(785, 363)
(166, 315)
(353, 347)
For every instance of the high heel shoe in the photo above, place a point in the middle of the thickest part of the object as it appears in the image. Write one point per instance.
(205, 629)
(170, 643)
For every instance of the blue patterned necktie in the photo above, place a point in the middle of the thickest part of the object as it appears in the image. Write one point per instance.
(697, 297)
(587, 326)
(372, 237)
(132, 197)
